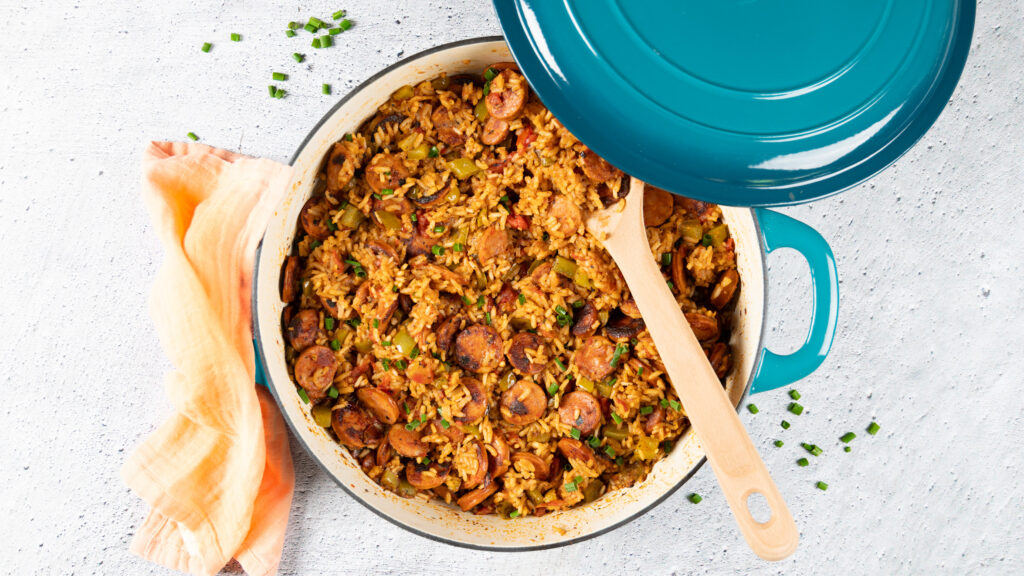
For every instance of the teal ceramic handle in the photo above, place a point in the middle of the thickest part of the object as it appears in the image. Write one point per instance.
(779, 231)
(261, 376)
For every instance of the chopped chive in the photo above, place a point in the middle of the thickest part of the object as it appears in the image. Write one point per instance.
(347, 137)
(316, 21)
(415, 352)
(785, 425)
(309, 27)
(646, 409)
(794, 394)
(753, 408)
(675, 405)
(338, 15)
(619, 461)
(433, 153)
(822, 486)
(335, 345)
(386, 343)
(610, 451)
(578, 304)
(445, 424)
(345, 24)
(778, 443)
(846, 448)
(504, 199)
(272, 89)
(552, 389)
(640, 371)
(873, 428)
(487, 316)
(236, 37)
(594, 441)
(439, 229)
(437, 249)
(706, 240)
(326, 41)
(329, 323)
(394, 288)
(316, 41)
(376, 323)
(695, 498)
(413, 217)
(813, 449)
(405, 405)
(332, 392)
(303, 395)
(298, 57)
(664, 402)
(671, 285)
(279, 76)
(334, 31)
(490, 73)
(522, 299)
(293, 25)
(387, 192)
(280, 93)
(487, 88)
(513, 514)
(561, 366)
(355, 322)
(616, 418)
(207, 46)
(401, 365)
(570, 487)
(796, 408)
(315, 243)
(386, 363)
(289, 33)
(612, 380)
(192, 136)
(666, 258)
(457, 247)
(326, 88)
(620, 349)
(802, 462)
(412, 425)
(847, 437)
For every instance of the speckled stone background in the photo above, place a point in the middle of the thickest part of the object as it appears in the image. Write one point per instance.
(931, 339)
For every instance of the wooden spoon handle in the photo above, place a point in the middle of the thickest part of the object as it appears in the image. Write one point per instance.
(732, 455)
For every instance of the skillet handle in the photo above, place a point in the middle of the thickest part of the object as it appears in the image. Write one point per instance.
(261, 376)
(780, 231)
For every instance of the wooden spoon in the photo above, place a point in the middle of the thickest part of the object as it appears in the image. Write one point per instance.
(737, 465)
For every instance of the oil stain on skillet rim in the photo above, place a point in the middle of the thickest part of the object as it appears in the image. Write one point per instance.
(257, 330)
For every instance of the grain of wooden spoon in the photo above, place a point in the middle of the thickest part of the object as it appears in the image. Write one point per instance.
(737, 465)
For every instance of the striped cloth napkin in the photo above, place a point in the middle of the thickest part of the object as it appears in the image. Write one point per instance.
(218, 472)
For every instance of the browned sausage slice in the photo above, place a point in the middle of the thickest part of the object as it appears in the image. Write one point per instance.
(355, 428)
(575, 450)
(479, 474)
(383, 454)
(725, 289)
(596, 168)
(657, 206)
(314, 370)
(508, 95)
(494, 132)
(386, 171)
(518, 357)
(492, 242)
(679, 269)
(704, 327)
(540, 467)
(379, 403)
(313, 218)
(720, 359)
(447, 127)
(629, 307)
(523, 402)
(290, 279)
(499, 460)
(426, 477)
(473, 498)
(303, 329)
(566, 214)
(475, 408)
(580, 410)
(407, 442)
(587, 321)
(478, 348)
(341, 165)
(621, 327)
(446, 332)
(594, 358)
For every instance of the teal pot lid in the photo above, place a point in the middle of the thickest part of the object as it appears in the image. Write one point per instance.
(743, 102)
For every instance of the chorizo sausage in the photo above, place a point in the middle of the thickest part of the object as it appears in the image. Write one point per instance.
(479, 474)
(580, 410)
(407, 442)
(492, 242)
(575, 450)
(596, 168)
(313, 218)
(524, 402)
(426, 477)
(508, 95)
(386, 172)
(355, 428)
(587, 320)
(621, 327)
(314, 370)
(704, 327)
(494, 132)
(447, 126)
(498, 461)
(478, 348)
(379, 403)
(594, 358)
(473, 498)
(539, 466)
(303, 329)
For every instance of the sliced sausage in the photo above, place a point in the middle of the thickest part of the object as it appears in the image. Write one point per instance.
(383, 454)
(494, 132)
(594, 358)
(314, 370)
(478, 348)
(720, 359)
(303, 329)
(473, 498)
(426, 477)
(629, 307)
(341, 165)
(379, 403)
(290, 289)
(447, 126)
(575, 450)
(580, 410)
(621, 328)
(386, 171)
(517, 353)
(596, 168)
(725, 289)
(566, 214)
(313, 218)
(704, 327)
(586, 321)
(330, 306)
(679, 269)
(508, 95)
(524, 402)
(499, 460)
(407, 442)
(478, 475)
(474, 408)
(540, 467)
(446, 332)
(657, 206)
(355, 428)
(653, 419)
(492, 242)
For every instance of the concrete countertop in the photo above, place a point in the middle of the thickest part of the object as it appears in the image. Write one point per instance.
(930, 342)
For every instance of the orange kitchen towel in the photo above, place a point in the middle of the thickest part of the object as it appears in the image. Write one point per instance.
(218, 473)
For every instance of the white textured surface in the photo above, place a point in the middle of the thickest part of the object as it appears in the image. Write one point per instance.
(931, 339)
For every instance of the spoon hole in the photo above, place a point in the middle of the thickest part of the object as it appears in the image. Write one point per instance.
(758, 507)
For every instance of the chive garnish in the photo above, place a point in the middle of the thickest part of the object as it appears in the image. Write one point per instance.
(847, 437)
(796, 408)
(522, 299)
(298, 57)
(326, 89)
(329, 323)
(335, 345)
(778, 443)
(303, 395)
(279, 76)
(236, 37)
(345, 24)
(646, 409)
(207, 46)
(192, 136)
(794, 394)
(695, 498)
(785, 425)
(873, 428)
(616, 418)
(620, 349)
(332, 392)
(752, 408)
(553, 389)
(561, 366)
(821, 485)
(338, 15)
(802, 462)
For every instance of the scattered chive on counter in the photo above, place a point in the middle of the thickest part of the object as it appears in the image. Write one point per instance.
(236, 37)
(345, 24)
(279, 76)
(753, 408)
(778, 443)
(338, 15)
(796, 408)
(192, 136)
(847, 437)
(846, 449)
(802, 462)
(813, 449)
(207, 46)
(289, 33)
(695, 498)
(794, 394)
(326, 89)
(821, 485)
(873, 428)
(785, 425)
(298, 57)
